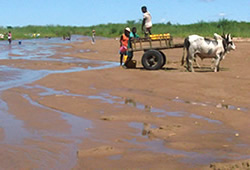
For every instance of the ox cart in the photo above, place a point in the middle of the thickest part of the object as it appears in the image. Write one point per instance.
(153, 57)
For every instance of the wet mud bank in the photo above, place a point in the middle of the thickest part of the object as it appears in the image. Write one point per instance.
(75, 108)
(46, 136)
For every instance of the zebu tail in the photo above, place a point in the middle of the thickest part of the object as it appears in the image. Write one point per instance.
(183, 56)
(185, 48)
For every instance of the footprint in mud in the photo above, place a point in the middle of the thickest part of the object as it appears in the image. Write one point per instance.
(117, 101)
(159, 145)
(245, 164)
(206, 104)
(107, 118)
(164, 113)
(99, 151)
(147, 108)
(152, 131)
(146, 129)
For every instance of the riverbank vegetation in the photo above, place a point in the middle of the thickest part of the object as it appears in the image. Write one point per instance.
(237, 29)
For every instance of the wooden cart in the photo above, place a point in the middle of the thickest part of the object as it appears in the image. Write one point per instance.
(153, 58)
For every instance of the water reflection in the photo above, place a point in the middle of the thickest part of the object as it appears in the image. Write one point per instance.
(152, 109)
(144, 127)
(78, 124)
(202, 157)
(14, 131)
(14, 77)
(163, 113)
(115, 157)
(118, 101)
(219, 105)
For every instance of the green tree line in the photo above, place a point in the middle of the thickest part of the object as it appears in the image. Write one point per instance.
(237, 29)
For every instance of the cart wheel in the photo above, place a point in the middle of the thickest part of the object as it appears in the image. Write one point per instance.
(164, 58)
(152, 60)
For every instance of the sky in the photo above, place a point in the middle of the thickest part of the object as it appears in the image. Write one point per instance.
(94, 12)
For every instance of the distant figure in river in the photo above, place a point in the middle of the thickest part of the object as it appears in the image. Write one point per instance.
(93, 36)
(146, 22)
(9, 37)
(66, 38)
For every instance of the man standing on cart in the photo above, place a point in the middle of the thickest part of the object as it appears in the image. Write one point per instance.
(146, 22)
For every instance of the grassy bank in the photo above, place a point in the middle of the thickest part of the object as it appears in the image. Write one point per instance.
(237, 29)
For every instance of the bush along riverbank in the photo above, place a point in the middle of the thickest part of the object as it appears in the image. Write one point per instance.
(237, 29)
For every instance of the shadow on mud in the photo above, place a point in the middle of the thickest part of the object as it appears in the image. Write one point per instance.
(208, 69)
(197, 69)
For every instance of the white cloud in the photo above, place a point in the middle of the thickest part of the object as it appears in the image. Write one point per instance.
(222, 14)
(162, 20)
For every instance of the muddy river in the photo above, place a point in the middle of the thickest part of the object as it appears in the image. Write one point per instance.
(64, 104)
(16, 134)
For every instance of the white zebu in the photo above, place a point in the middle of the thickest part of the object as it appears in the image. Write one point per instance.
(217, 48)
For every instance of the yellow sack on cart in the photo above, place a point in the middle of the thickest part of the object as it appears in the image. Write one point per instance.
(160, 36)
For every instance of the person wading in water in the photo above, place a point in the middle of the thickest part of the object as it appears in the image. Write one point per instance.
(9, 37)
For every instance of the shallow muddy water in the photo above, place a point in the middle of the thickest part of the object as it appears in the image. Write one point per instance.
(221, 105)
(16, 131)
(55, 146)
(157, 145)
(204, 157)
(120, 102)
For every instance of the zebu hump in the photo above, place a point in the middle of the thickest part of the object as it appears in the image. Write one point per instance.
(208, 41)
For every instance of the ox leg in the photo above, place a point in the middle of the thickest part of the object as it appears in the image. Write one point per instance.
(217, 64)
(187, 62)
(212, 63)
(195, 60)
(190, 63)
(218, 67)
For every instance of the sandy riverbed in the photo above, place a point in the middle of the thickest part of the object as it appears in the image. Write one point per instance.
(131, 118)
